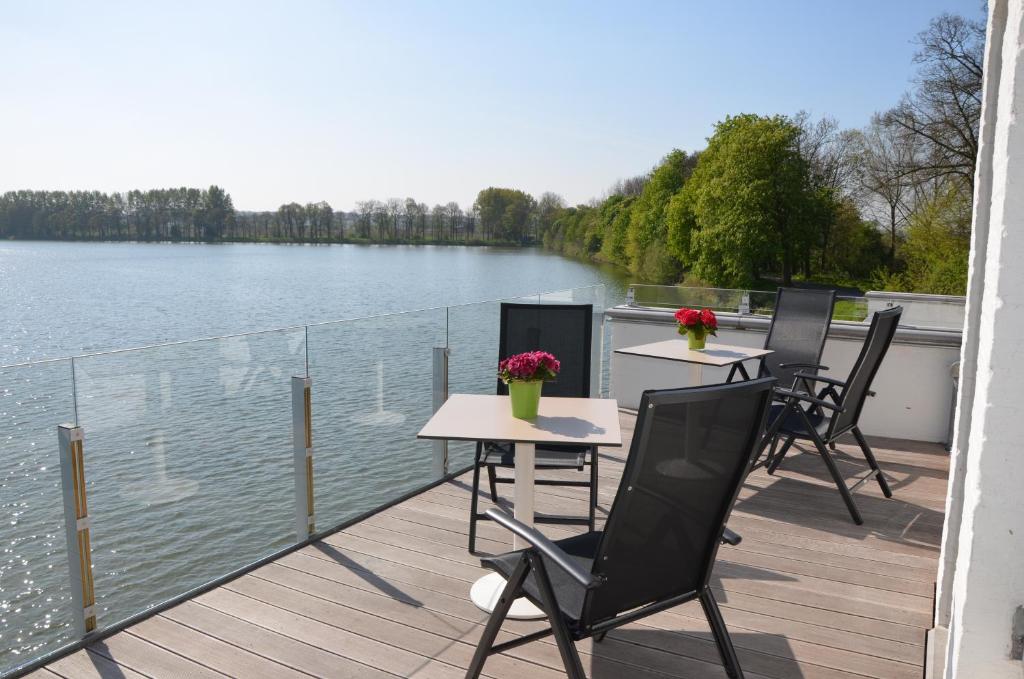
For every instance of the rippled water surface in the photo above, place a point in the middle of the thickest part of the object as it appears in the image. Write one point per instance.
(188, 446)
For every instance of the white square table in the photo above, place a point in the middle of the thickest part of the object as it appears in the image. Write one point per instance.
(716, 355)
(478, 417)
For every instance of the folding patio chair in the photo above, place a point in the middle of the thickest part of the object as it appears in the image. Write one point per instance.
(690, 453)
(796, 335)
(834, 410)
(565, 331)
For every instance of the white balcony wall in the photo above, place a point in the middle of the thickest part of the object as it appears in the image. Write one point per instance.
(920, 310)
(914, 385)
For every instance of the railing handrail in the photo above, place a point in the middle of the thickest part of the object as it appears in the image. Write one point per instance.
(250, 333)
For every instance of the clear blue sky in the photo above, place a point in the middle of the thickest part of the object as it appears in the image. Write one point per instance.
(338, 101)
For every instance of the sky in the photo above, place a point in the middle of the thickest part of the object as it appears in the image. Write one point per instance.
(347, 101)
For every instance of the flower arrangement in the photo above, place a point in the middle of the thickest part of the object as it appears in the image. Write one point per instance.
(525, 375)
(697, 325)
(529, 367)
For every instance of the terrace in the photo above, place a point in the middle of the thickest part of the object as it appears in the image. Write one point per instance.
(382, 590)
(806, 594)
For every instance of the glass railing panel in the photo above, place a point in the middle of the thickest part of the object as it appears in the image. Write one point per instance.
(597, 297)
(35, 615)
(670, 296)
(473, 363)
(188, 462)
(372, 392)
(850, 309)
(761, 302)
(591, 294)
(755, 302)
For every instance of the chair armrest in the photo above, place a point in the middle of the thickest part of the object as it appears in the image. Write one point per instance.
(799, 395)
(826, 380)
(819, 378)
(543, 545)
(731, 538)
(815, 366)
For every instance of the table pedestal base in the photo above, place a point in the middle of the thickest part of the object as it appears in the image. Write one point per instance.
(486, 591)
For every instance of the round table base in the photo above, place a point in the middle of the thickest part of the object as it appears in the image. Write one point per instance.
(486, 591)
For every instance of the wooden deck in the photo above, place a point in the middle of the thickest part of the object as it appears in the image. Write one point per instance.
(807, 593)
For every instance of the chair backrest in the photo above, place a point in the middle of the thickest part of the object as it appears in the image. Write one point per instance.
(560, 329)
(690, 453)
(797, 332)
(876, 344)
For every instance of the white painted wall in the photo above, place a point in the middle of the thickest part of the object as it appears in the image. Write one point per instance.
(922, 311)
(914, 385)
(988, 579)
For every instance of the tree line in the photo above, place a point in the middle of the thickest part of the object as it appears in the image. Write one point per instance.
(780, 197)
(506, 216)
(159, 214)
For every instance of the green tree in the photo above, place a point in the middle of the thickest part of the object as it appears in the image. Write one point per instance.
(749, 203)
(217, 215)
(647, 224)
(938, 244)
(617, 210)
(505, 214)
(549, 208)
(856, 250)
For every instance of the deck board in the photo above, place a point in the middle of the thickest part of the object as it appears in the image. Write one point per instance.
(807, 594)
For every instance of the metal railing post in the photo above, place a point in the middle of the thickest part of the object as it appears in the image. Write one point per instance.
(597, 354)
(440, 382)
(302, 456)
(71, 439)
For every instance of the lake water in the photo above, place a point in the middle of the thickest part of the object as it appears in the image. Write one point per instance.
(60, 299)
(188, 445)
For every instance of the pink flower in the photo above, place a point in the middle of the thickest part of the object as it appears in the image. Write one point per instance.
(531, 365)
(549, 361)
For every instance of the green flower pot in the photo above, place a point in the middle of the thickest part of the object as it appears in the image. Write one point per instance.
(696, 339)
(525, 397)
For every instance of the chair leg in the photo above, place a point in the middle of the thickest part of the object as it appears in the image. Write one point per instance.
(870, 457)
(567, 649)
(599, 637)
(593, 487)
(508, 595)
(772, 449)
(826, 456)
(721, 634)
(491, 476)
(777, 458)
(474, 499)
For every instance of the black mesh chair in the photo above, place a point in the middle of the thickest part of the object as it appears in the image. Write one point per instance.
(834, 410)
(690, 453)
(796, 335)
(565, 331)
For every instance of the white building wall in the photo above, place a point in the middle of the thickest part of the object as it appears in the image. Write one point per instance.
(915, 385)
(988, 583)
(938, 637)
(920, 310)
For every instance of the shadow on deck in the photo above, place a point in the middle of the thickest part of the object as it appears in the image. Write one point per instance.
(807, 593)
